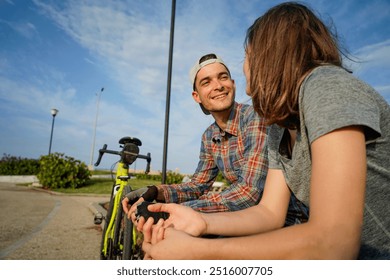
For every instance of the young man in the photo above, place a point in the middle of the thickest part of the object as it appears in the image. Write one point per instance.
(235, 145)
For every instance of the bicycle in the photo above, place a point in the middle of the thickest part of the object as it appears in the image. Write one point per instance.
(119, 236)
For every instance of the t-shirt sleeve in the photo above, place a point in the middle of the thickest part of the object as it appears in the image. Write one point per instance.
(334, 99)
(275, 134)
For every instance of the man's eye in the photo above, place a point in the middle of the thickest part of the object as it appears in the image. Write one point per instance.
(224, 77)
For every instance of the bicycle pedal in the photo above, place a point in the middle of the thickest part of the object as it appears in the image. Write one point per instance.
(98, 219)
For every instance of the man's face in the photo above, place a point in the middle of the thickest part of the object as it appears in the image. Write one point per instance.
(214, 88)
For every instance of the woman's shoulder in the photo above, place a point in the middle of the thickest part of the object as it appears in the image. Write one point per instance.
(326, 73)
(336, 83)
(332, 98)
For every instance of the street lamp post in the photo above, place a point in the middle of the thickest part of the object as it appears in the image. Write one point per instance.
(53, 113)
(94, 129)
(167, 104)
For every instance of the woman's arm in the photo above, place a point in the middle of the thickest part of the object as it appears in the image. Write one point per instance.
(265, 216)
(336, 209)
(269, 214)
(336, 213)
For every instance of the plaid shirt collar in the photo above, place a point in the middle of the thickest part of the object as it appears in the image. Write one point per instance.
(231, 125)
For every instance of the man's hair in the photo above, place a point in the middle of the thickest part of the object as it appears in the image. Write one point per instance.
(207, 57)
(203, 59)
(283, 46)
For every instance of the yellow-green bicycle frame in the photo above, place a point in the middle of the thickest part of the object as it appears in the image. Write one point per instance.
(122, 176)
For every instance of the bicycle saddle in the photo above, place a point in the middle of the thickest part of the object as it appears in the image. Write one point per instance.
(128, 139)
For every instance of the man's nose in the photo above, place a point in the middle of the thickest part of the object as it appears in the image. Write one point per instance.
(218, 85)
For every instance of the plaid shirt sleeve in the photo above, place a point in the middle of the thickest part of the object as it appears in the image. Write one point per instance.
(201, 181)
(243, 161)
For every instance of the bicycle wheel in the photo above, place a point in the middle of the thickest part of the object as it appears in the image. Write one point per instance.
(131, 239)
(120, 232)
(108, 253)
(127, 238)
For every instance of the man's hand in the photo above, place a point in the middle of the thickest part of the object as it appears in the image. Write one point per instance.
(132, 199)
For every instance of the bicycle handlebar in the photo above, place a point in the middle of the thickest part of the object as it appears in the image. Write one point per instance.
(104, 150)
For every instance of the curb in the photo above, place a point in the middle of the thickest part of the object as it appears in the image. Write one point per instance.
(97, 209)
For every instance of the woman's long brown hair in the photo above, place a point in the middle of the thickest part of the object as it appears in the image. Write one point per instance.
(283, 46)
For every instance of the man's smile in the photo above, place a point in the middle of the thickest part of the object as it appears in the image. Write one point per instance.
(220, 96)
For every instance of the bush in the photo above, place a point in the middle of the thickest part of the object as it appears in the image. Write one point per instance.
(174, 178)
(220, 178)
(11, 165)
(59, 171)
(143, 176)
(171, 178)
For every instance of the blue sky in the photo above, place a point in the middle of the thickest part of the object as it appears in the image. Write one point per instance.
(59, 54)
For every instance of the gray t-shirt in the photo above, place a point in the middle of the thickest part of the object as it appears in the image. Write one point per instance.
(331, 98)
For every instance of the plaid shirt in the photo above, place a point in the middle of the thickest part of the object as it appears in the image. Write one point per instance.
(240, 153)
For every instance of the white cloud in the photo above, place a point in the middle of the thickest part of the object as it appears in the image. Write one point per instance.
(372, 66)
(25, 29)
(377, 54)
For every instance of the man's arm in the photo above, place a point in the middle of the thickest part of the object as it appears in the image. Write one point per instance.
(201, 181)
(250, 170)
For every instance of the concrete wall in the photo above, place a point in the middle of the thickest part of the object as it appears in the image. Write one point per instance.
(19, 179)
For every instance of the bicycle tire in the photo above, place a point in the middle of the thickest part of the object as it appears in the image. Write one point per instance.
(127, 239)
(120, 232)
(131, 250)
(109, 252)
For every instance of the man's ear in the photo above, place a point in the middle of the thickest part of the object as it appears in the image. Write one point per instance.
(195, 96)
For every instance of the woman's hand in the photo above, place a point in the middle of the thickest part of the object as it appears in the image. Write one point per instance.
(166, 243)
(180, 218)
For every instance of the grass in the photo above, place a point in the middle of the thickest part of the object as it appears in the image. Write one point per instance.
(104, 186)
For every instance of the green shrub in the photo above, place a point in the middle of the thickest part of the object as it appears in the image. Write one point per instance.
(11, 165)
(174, 177)
(220, 178)
(171, 178)
(143, 176)
(60, 171)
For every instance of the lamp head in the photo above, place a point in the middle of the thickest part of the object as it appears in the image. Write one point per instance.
(54, 112)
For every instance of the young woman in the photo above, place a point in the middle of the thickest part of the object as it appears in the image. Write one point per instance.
(329, 146)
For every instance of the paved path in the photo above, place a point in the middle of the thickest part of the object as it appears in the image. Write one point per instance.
(39, 225)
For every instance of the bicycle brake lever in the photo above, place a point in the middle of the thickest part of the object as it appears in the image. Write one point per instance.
(101, 152)
(142, 211)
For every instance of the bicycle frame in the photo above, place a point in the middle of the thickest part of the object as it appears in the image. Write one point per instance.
(122, 177)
